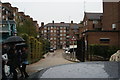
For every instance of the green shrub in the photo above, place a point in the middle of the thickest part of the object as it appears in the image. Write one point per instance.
(104, 51)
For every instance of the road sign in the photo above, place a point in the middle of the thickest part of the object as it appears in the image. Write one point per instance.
(73, 39)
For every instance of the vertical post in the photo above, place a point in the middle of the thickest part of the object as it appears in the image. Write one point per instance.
(73, 49)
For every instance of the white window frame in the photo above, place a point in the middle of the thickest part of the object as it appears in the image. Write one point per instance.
(45, 31)
(61, 31)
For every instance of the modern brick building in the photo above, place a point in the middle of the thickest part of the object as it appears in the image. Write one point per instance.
(59, 34)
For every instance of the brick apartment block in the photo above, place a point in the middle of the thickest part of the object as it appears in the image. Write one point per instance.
(59, 34)
(10, 13)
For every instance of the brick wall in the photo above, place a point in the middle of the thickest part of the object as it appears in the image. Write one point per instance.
(94, 38)
(110, 15)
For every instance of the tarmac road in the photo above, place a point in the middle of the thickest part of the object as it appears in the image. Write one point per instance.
(51, 59)
(102, 70)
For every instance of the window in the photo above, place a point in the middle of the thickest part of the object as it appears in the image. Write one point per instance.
(3, 17)
(51, 30)
(42, 32)
(61, 38)
(61, 30)
(54, 42)
(48, 28)
(64, 34)
(61, 34)
(7, 18)
(57, 28)
(86, 23)
(51, 38)
(114, 26)
(45, 30)
(104, 40)
(61, 42)
(3, 8)
(60, 27)
(6, 12)
(64, 42)
(55, 31)
(95, 22)
(45, 27)
(51, 27)
(13, 14)
(64, 30)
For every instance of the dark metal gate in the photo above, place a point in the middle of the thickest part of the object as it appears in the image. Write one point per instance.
(80, 53)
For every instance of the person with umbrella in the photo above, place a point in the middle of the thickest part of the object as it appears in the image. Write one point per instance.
(12, 55)
(12, 61)
(24, 61)
(5, 49)
(21, 49)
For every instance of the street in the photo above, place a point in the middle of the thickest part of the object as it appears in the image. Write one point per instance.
(51, 59)
(98, 70)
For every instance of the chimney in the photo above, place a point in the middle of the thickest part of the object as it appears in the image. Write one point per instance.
(53, 21)
(42, 24)
(71, 22)
(61, 22)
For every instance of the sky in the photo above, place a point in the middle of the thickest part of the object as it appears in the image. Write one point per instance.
(58, 10)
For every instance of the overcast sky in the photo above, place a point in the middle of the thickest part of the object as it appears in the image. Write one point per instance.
(57, 10)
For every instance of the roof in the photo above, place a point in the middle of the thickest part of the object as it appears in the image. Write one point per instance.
(75, 26)
(94, 16)
(57, 24)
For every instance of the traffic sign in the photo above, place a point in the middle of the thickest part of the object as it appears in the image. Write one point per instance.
(73, 39)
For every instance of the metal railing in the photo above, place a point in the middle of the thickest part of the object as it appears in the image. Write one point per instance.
(70, 56)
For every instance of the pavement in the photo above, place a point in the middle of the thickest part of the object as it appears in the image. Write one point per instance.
(51, 59)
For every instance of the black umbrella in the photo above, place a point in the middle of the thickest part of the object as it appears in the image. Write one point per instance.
(21, 45)
(14, 39)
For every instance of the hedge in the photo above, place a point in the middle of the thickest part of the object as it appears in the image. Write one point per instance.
(35, 48)
(104, 51)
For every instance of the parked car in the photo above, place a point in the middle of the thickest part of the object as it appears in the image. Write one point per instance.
(51, 50)
(70, 50)
(55, 48)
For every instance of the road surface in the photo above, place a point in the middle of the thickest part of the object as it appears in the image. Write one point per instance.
(51, 59)
(98, 70)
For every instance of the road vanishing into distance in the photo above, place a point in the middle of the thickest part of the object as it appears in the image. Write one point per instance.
(51, 59)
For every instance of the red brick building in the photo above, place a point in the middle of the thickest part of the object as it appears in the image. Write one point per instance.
(103, 29)
(59, 34)
(100, 29)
